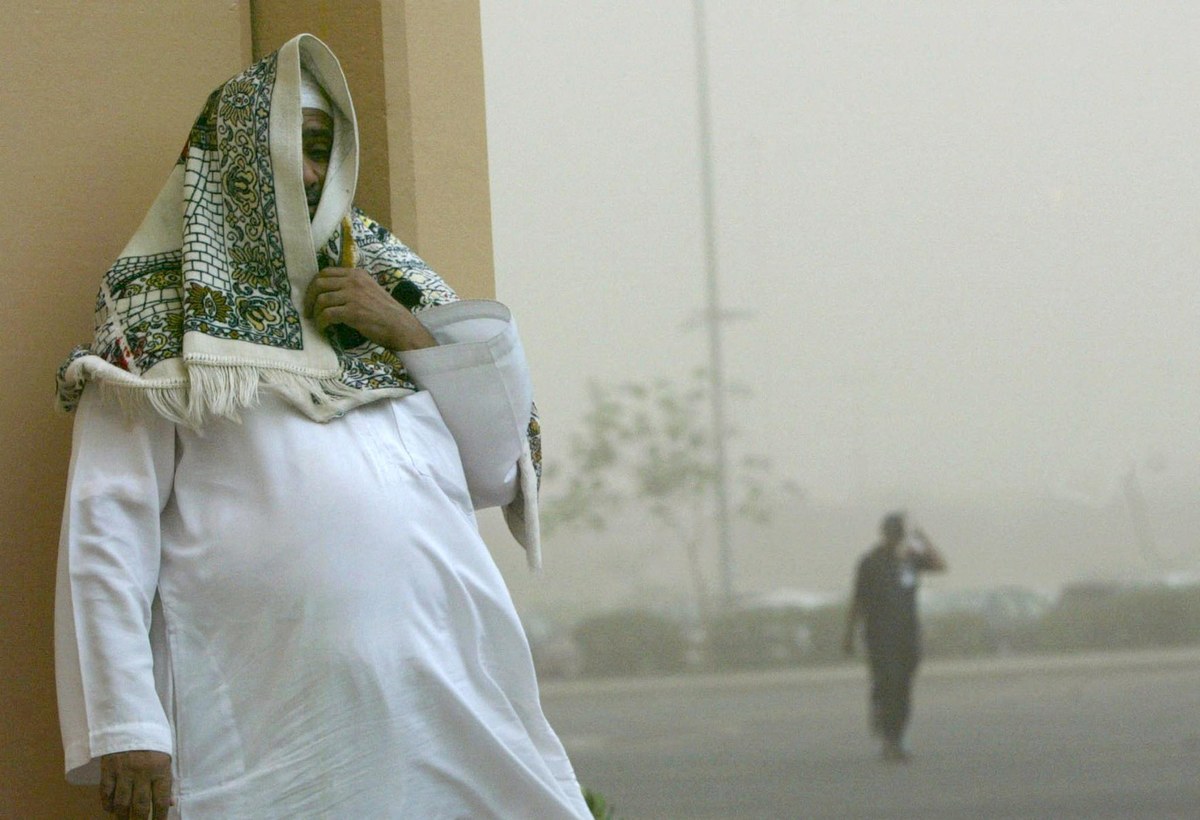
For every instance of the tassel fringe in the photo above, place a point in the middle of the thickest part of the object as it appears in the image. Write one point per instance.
(210, 391)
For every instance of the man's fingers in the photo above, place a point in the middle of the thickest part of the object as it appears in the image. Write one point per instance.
(134, 783)
(326, 317)
(108, 783)
(140, 801)
(320, 283)
(352, 297)
(330, 281)
(161, 793)
(122, 795)
(328, 299)
(315, 288)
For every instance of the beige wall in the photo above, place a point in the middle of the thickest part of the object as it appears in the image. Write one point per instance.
(97, 98)
(437, 137)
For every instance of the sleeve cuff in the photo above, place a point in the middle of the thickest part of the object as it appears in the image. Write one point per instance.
(478, 377)
(83, 758)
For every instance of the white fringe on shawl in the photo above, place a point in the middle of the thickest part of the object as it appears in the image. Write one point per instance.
(208, 391)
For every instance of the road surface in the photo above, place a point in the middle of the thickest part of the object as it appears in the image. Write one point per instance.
(1093, 736)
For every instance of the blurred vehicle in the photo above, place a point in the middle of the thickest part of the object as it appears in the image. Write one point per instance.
(751, 637)
(777, 628)
(631, 642)
(555, 654)
(1139, 614)
(995, 620)
(1085, 593)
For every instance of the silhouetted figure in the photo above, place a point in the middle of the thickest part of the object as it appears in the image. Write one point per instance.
(885, 599)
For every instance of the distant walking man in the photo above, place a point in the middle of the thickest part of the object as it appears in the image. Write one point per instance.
(885, 599)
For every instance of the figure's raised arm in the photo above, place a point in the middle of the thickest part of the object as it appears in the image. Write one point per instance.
(929, 557)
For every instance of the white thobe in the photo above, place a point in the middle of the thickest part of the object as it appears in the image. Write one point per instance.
(304, 615)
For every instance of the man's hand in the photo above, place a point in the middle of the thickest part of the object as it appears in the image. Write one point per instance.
(134, 783)
(930, 559)
(351, 296)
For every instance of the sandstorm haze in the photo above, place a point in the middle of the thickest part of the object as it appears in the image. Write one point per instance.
(960, 240)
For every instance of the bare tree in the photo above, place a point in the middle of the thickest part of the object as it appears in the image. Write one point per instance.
(649, 446)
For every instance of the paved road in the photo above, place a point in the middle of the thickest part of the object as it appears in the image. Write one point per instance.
(1098, 736)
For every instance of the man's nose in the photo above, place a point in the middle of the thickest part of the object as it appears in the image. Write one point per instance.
(311, 177)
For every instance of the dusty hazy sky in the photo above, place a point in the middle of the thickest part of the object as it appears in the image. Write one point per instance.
(966, 234)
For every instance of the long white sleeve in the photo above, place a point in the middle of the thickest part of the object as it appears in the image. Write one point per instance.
(109, 550)
(479, 379)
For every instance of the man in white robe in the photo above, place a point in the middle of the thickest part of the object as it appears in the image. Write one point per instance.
(273, 599)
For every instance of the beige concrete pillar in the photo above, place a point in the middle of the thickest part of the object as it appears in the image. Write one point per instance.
(438, 137)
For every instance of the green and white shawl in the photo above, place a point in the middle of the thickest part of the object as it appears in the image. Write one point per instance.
(204, 307)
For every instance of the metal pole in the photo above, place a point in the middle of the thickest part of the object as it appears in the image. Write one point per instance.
(713, 318)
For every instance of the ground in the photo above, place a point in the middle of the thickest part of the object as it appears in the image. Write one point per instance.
(1096, 736)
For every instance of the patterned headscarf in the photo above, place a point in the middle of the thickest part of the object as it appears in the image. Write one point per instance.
(204, 307)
